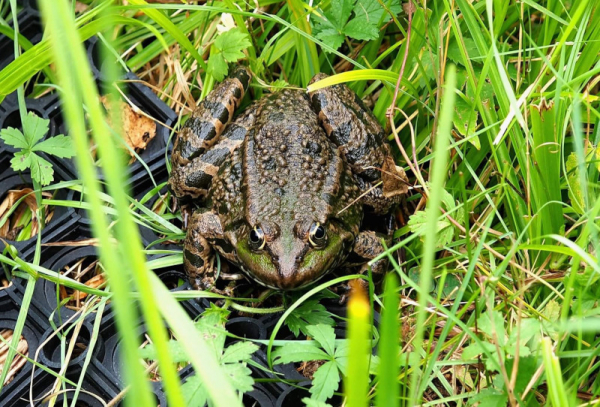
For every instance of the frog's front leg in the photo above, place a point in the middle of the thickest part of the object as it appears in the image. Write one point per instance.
(198, 152)
(360, 137)
(367, 246)
(198, 253)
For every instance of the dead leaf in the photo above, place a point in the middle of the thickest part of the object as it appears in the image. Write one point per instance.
(13, 225)
(138, 129)
(395, 181)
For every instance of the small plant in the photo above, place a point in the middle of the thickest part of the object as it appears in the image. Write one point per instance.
(323, 347)
(233, 358)
(29, 143)
(227, 48)
(364, 24)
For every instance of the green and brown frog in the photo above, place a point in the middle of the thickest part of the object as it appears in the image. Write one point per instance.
(281, 190)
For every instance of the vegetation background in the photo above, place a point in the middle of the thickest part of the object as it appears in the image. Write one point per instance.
(491, 108)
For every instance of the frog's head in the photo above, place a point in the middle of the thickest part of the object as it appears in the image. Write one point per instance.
(292, 255)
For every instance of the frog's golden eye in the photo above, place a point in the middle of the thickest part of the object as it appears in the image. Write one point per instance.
(257, 238)
(317, 236)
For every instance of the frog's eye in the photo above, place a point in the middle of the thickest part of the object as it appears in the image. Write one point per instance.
(317, 236)
(257, 238)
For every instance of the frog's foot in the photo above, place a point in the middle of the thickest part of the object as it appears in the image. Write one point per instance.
(198, 256)
(198, 149)
(344, 289)
(369, 245)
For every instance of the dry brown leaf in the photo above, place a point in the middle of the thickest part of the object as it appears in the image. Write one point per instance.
(137, 128)
(75, 243)
(19, 361)
(9, 230)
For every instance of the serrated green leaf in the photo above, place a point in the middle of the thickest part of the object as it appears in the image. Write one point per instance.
(489, 398)
(194, 392)
(492, 324)
(231, 44)
(361, 30)
(325, 335)
(240, 376)
(59, 146)
(476, 349)
(331, 37)
(299, 351)
(465, 120)
(21, 161)
(445, 230)
(370, 11)
(239, 352)
(528, 328)
(455, 54)
(176, 351)
(211, 326)
(34, 128)
(13, 137)
(311, 312)
(339, 13)
(326, 381)
(41, 169)
(217, 66)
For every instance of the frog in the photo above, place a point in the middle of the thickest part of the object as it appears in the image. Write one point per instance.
(282, 189)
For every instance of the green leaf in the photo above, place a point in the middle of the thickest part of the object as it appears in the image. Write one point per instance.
(311, 312)
(476, 349)
(370, 11)
(239, 352)
(455, 54)
(34, 128)
(492, 324)
(331, 37)
(326, 381)
(445, 230)
(489, 398)
(211, 327)
(465, 121)
(575, 192)
(41, 169)
(325, 335)
(217, 66)
(176, 350)
(299, 351)
(240, 376)
(361, 30)
(13, 137)
(194, 392)
(59, 146)
(339, 13)
(529, 327)
(21, 161)
(231, 43)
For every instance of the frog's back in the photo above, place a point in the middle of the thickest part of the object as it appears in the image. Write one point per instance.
(291, 169)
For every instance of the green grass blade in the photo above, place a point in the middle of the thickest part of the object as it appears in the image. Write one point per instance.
(388, 389)
(437, 180)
